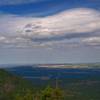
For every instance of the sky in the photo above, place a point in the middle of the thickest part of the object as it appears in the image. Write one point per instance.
(49, 31)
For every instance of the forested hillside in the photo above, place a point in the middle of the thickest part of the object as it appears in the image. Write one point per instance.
(15, 88)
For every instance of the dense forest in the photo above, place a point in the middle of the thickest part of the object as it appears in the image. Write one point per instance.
(16, 88)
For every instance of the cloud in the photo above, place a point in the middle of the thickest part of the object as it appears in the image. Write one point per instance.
(92, 41)
(71, 21)
(70, 24)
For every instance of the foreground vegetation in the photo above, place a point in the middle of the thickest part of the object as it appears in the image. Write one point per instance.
(16, 88)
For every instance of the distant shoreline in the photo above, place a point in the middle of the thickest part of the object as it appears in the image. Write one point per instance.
(89, 65)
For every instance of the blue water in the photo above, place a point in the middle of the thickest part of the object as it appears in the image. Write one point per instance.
(35, 72)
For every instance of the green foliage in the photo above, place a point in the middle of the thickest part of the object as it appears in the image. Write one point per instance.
(16, 88)
(52, 94)
(47, 93)
(57, 94)
(27, 96)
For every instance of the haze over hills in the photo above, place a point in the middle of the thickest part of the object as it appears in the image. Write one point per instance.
(78, 65)
(84, 65)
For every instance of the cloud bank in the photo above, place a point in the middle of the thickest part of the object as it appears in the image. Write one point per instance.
(82, 24)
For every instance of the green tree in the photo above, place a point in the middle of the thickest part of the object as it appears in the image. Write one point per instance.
(57, 94)
(52, 94)
(47, 93)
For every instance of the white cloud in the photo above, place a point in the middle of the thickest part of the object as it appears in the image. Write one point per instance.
(71, 21)
(93, 41)
(67, 24)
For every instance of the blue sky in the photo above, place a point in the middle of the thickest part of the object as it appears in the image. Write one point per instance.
(49, 31)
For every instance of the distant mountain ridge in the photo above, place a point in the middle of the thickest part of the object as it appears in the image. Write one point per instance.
(65, 65)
